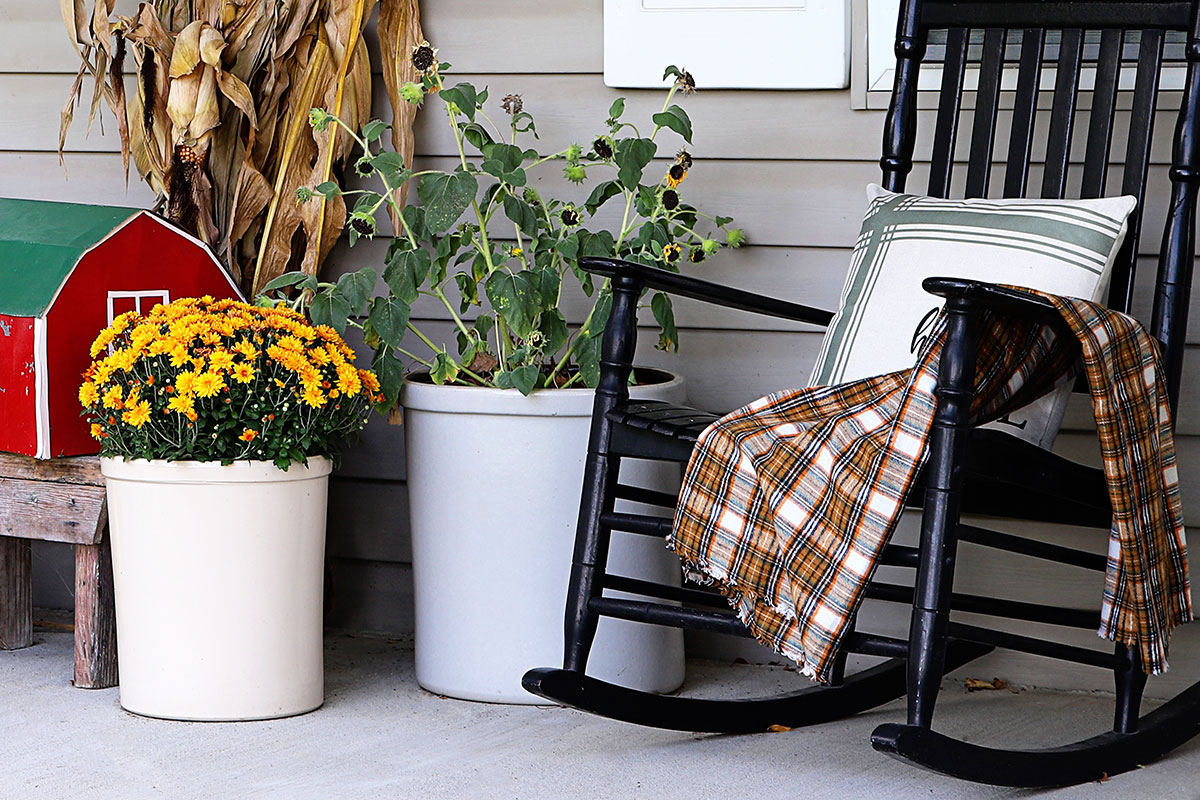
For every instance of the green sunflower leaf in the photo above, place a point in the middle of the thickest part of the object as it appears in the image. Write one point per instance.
(462, 95)
(677, 120)
(445, 197)
(389, 319)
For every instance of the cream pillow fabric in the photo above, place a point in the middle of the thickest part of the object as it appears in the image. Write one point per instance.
(1065, 247)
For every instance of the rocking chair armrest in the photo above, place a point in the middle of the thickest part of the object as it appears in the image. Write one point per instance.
(996, 298)
(705, 291)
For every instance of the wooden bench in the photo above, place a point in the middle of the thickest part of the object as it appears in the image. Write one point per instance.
(58, 500)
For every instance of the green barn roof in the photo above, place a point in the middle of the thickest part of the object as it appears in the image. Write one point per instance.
(40, 242)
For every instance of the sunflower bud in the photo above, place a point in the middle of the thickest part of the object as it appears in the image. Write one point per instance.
(303, 194)
(735, 237)
(574, 153)
(412, 93)
(710, 246)
(319, 119)
(575, 173)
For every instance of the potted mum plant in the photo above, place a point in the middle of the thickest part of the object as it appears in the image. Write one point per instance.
(216, 422)
(497, 414)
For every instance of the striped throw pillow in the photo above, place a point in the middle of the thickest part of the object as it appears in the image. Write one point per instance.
(1065, 247)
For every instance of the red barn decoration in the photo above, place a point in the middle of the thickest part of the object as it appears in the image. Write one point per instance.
(66, 270)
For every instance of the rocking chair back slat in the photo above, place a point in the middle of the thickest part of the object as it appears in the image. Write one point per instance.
(987, 103)
(1100, 121)
(1062, 113)
(1137, 162)
(949, 106)
(1020, 142)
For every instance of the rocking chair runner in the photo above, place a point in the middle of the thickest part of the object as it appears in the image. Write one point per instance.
(968, 470)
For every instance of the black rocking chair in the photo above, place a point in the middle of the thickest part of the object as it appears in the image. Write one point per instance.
(1071, 38)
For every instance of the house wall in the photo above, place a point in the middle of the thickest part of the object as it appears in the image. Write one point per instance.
(791, 167)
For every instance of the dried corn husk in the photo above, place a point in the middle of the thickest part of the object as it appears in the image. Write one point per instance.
(399, 33)
(215, 116)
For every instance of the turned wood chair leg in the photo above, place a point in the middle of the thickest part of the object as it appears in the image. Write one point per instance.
(16, 593)
(95, 622)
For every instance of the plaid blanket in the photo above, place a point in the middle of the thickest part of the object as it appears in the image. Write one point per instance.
(788, 501)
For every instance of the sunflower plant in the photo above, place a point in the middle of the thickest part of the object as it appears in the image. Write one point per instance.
(494, 252)
(222, 380)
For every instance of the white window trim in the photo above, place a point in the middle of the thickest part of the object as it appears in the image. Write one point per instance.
(160, 296)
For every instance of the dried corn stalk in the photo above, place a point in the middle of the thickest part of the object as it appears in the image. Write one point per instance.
(216, 119)
(399, 33)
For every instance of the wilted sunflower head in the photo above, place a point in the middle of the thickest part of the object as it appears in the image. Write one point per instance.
(696, 255)
(512, 104)
(670, 199)
(569, 216)
(364, 167)
(685, 82)
(672, 252)
(362, 223)
(602, 148)
(424, 57)
(675, 175)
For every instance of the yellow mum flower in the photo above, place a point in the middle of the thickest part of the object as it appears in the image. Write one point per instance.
(221, 360)
(246, 349)
(209, 384)
(291, 343)
(96, 431)
(179, 356)
(369, 379)
(114, 397)
(182, 403)
(320, 356)
(88, 394)
(102, 341)
(348, 380)
(243, 373)
(137, 414)
(249, 435)
(313, 397)
(185, 382)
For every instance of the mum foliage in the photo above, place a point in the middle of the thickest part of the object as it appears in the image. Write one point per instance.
(223, 380)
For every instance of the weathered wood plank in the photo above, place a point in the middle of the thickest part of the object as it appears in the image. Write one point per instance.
(95, 618)
(16, 593)
(54, 512)
(78, 469)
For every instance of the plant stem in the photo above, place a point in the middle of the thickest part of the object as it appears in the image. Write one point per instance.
(440, 294)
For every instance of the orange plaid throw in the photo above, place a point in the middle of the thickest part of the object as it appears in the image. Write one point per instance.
(788, 501)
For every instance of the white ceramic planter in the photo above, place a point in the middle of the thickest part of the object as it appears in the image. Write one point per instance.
(494, 480)
(218, 572)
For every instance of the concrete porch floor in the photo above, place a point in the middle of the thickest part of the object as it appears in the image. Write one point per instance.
(380, 736)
